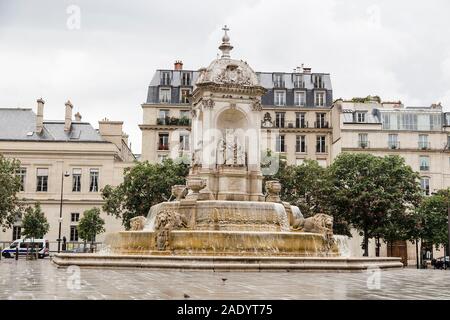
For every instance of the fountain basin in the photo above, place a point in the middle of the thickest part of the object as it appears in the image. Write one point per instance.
(207, 242)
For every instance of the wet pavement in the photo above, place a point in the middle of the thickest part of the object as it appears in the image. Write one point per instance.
(41, 279)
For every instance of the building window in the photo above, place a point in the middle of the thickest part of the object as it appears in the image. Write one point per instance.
(448, 143)
(163, 143)
(73, 233)
(423, 142)
(424, 162)
(164, 95)
(184, 95)
(280, 146)
(363, 140)
(300, 121)
(185, 78)
(163, 117)
(321, 144)
(300, 144)
(298, 81)
(278, 81)
(299, 98)
(22, 174)
(320, 121)
(76, 180)
(93, 181)
(318, 81)
(319, 99)
(16, 233)
(360, 117)
(184, 141)
(74, 217)
(425, 185)
(393, 141)
(165, 78)
(280, 98)
(42, 180)
(279, 119)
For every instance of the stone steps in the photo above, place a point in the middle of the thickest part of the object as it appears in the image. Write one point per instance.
(226, 263)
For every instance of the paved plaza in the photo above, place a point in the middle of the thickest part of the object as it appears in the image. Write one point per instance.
(42, 280)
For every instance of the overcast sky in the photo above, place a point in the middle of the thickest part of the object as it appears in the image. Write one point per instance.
(104, 61)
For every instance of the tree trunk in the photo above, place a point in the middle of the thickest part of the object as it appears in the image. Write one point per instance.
(366, 243)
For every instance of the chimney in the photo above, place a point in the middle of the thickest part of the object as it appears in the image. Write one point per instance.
(77, 117)
(40, 116)
(111, 131)
(68, 117)
(178, 65)
(306, 70)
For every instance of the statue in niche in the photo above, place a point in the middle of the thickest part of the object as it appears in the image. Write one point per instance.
(267, 121)
(229, 150)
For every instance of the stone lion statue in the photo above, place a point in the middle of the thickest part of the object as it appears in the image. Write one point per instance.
(138, 223)
(165, 222)
(320, 223)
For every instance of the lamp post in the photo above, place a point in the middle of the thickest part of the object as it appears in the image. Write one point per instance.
(448, 226)
(64, 174)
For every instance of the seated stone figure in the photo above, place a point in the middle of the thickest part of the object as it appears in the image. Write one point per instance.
(138, 223)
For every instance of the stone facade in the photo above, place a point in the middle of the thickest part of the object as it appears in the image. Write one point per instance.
(91, 158)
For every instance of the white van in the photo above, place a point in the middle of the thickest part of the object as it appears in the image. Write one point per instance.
(24, 245)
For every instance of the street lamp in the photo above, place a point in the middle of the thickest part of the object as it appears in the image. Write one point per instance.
(63, 175)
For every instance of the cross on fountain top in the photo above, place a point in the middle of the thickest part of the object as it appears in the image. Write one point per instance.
(225, 47)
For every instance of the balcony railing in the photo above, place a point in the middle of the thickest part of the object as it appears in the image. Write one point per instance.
(321, 124)
(424, 168)
(163, 146)
(363, 144)
(424, 145)
(301, 124)
(394, 145)
(173, 121)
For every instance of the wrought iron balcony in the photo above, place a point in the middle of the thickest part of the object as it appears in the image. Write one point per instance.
(321, 124)
(424, 145)
(363, 144)
(394, 145)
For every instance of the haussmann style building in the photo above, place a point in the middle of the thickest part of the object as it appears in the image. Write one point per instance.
(67, 157)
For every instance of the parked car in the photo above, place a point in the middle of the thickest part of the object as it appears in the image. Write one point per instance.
(25, 246)
(441, 263)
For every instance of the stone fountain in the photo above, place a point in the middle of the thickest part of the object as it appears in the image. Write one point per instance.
(221, 219)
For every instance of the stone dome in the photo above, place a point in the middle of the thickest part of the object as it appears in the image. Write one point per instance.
(226, 70)
(230, 72)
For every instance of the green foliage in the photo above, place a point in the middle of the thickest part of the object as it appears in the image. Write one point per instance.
(91, 224)
(144, 185)
(433, 213)
(10, 208)
(34, 223)
(367, 99)
(374, 194)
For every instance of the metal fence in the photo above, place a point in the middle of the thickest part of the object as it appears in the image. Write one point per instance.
(69, 247)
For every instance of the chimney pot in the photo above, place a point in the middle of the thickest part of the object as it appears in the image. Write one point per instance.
(78, 117)
(178, 65)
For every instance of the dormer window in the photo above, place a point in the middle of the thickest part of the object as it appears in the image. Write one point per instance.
(298, 81)
(318, 81)
(164, 95)
(185, 78)
(165, 78)
(278, 81)
(361, 116)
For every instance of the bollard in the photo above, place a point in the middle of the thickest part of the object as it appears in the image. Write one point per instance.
(17, 252)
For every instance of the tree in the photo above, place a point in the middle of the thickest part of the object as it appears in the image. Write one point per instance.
(371, 192)
(10, 184)
(434, 218)
(90, 225)
(34, 224)
(144, 185)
